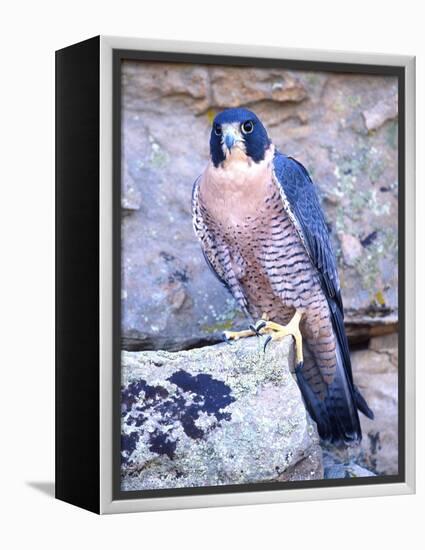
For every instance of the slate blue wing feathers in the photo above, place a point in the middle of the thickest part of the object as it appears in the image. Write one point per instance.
(304, 203)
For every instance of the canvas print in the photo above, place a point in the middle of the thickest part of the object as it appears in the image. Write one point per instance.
(259, 276)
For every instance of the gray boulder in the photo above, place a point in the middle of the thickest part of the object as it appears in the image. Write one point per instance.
(223, 414)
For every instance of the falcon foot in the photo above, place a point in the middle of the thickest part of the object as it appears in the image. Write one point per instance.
(253, 330)
(276, 332)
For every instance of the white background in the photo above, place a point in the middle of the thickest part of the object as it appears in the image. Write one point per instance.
(30, 32)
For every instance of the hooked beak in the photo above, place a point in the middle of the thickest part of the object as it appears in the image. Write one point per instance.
(229, 140)
(230, 137)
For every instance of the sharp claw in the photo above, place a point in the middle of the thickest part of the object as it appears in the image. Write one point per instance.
(256, 328)
(266, 343)
(227, 340)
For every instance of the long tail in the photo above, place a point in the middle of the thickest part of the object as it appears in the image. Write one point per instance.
(335, 413)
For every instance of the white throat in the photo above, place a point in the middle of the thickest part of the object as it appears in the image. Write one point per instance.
(238, 168)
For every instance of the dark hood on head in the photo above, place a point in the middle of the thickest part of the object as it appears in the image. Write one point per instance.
(256, 142)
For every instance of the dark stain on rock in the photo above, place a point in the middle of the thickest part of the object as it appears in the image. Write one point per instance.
(195, 394)
(215, 394)
(178, 275)
(189, 426)
(375, 442)
(167, 257)
(129, 397)
(128, 444)
(368, 240)
(131, 393)
(161, 444)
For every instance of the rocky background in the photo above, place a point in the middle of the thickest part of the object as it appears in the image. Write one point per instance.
(343, 128)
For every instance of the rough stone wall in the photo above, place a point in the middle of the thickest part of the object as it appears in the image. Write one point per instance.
(376, 372)
(342, 127)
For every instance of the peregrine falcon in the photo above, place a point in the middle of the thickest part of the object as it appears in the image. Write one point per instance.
(264, 235)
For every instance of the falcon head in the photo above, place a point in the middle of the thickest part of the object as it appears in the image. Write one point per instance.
(239, 133)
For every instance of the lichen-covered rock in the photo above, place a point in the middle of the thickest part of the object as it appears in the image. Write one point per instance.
(222, 414)
(342, 127)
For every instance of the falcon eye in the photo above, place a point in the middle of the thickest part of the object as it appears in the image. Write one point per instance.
(217, 130)
(247, 127)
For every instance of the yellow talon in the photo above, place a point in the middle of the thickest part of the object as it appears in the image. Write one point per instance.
(235, 335)
(277, 332)
(231, 335)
